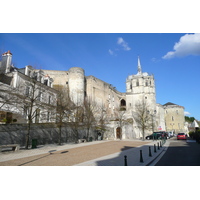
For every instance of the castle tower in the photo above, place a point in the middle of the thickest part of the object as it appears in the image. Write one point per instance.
(77, 85)
(140, 87)
(6, 62)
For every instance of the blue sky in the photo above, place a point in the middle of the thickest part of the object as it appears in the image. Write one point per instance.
(173, 59)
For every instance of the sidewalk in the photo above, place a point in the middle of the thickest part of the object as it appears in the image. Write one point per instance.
(41, 149)
(97, 153)
(133, 156)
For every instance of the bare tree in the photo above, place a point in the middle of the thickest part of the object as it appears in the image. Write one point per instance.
(8, 98)
(101, 121)
(142, 117)
(91, 111)
(31, 101)
(63, 109)
(76, 120)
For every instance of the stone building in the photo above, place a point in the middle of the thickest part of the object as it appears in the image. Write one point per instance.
(23, 91)
(118, 107)
(174, 118)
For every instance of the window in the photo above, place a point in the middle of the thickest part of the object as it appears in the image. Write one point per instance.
(48, 116)
(37, 117)
(137, 83)
(25, 112)
(29, 73)
(172, 118)
(177, 112)
(27, 91)
(146, 83)
(123, 102)
(45, 82)
(39, 96)
(49, 99)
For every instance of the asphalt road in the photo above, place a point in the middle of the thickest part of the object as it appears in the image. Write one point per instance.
(181, 153)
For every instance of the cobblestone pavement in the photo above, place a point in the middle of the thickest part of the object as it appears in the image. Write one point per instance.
(69, 156)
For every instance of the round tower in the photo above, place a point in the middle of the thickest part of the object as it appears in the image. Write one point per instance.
(77, 85)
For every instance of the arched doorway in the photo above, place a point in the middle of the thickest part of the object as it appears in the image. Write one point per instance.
(118, 133)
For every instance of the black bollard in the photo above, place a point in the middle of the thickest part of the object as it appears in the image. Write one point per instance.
(158, 146)
(125, 160)
(154, 148)
(150, 152)
(141, 158)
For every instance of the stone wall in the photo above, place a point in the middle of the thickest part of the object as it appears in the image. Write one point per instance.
(44, 133)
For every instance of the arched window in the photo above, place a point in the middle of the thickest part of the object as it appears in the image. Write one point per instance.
(122, 105)
(123, 102)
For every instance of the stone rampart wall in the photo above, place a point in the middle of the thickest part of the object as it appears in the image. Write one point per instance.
(44, 133)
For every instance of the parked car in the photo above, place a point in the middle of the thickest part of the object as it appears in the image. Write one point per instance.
(181, 136)
(152, 136)
(158, 135)
(171, 134)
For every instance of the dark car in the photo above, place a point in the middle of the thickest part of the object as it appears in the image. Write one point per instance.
(158, 135)
(154, 136)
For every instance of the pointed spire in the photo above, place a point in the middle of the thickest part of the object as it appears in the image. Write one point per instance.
(139, 67)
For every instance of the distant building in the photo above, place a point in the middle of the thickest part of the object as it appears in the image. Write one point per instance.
(174, 118)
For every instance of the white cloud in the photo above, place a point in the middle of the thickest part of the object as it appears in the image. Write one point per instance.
(110, 52)
(155, 60)
(186, 113)
(124, 44)
(189, 44)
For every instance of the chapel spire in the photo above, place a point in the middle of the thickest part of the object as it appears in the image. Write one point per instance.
(139, 67)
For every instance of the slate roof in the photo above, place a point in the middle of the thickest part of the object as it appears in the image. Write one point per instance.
(170, 104)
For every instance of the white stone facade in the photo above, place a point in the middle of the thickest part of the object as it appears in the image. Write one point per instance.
(118, 108)
(21, 86)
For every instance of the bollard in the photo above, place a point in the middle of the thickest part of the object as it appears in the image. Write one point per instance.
(154, 148)
(158, 146)
(150, 155)
(141, 158)
(125, 160)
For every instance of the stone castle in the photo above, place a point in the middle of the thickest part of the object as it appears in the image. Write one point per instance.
(120, 108)
(139, 88)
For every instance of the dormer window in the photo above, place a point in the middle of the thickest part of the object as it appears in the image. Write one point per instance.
(46, 82)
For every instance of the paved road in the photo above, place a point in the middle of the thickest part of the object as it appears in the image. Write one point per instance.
(181, 153)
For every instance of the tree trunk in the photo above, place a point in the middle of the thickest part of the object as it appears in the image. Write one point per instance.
(59, 136)
(28, 134)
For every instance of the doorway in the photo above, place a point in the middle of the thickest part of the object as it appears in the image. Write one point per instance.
(119, 133)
